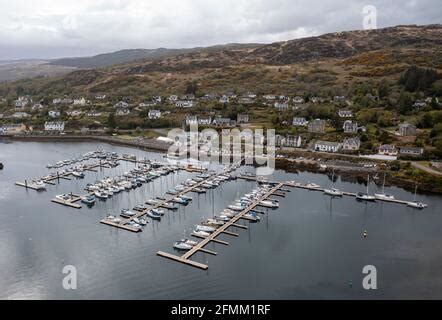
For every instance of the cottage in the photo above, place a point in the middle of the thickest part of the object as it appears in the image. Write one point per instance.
(100, 97)
(288, 141)
(54, 114)
(184, 104)
(281, 106)
(339, 98)
(269, 97)
(224, 122)
(299, 121)
(93, 114)
(37, 106)
(62, 101)
(21, 115)
(298, 100)
(205, 121)
(224, 99)
(80, 102)
(122, 112)
(154, 114)
(54, 126)
(407, 129)
(411, 151)
(157, 99)
(173, 97)
(21, 103)
(246, 100)
(351, 144)
(191, 119)
(327, 146)
(316, 99)
(387, 150)
(350, 126)
(316, 126)
(242, 118)
(344, 113)
(418, 104)
(121, 104)
(74, 113)
(147, 104)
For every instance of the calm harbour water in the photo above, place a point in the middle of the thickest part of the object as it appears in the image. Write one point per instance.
(311, 247)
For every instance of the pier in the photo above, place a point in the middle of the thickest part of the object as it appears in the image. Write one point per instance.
(164, 203)
(185, 258)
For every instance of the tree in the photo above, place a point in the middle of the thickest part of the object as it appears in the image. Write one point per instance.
(383, 89)
(191, 87)
(111, 122)
(405, 103)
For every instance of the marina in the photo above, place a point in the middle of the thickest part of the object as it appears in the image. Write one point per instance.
(325, 225)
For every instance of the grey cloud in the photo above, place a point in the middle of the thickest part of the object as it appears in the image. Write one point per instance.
(48, 29)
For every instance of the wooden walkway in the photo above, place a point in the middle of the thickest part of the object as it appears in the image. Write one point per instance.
(304, 186)
(185, 258)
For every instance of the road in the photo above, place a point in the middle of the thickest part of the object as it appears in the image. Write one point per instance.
(425, 168)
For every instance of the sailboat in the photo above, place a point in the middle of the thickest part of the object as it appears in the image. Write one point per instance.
(365, 196)
(383, 195)
(334, 192)
(416, 204)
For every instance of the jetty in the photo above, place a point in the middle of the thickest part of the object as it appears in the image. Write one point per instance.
(185, 258)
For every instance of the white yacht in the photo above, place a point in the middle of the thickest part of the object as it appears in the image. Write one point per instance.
(365, 196)
(383, 195)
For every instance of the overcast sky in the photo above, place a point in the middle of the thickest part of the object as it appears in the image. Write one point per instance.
(60, 28)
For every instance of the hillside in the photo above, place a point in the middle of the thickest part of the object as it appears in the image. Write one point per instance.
(328, 62)
(131, 55)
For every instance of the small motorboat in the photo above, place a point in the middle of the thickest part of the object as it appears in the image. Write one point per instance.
(63, 197)
(78, 174)
(252, 216)
(158, 211)
(364, 197)
(38, 185)
(383, 196)
(139, 207)
(417, 204)
(200, 233)
(189, 242)
(312, 185)
(205, 228)
(153, 215)
(152, 201)
(89, 200)
(269, 204)
(180, 200)
(236, 207)
(333, 192)
(142, 221)
(182, 246)
(127, 212)
(100, 195)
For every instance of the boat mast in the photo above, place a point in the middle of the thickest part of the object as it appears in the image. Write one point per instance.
(368, 181)
(383, 184)
(415, 191)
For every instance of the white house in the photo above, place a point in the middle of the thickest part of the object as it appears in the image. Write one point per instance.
(80, 102)
(388, 150)
(54, 114)
(205, 121)
(184, 104)
(281, 106)
(327, 146)
(173, 97)
(351, 144)
(122, 112)
(54, 126)
(154, 114)
(93, 113)
(344, 113)
(298, 100)
(37, 106)
(299, 121)
(74, 113)
(191, 119)
(121, 104)
(21, 115)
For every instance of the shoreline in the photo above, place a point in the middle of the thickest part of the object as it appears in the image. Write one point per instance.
(350, 174)
(146, 144)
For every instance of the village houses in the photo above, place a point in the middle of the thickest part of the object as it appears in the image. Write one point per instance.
(299, 121)
(344, 113)
(52, 126)
(387, 150)
(154, 114)
(327, 146)
(54, 114)
(350, 126)
(242, 118)
(351, 144)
